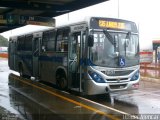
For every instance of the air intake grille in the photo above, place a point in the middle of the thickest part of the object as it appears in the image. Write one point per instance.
(117, 80)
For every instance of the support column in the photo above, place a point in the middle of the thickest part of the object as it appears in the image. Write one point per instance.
(156, 55)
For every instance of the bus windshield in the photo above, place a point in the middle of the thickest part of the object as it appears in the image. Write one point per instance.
(109, 46)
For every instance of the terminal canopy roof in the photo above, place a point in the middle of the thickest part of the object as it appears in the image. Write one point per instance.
(10, 9)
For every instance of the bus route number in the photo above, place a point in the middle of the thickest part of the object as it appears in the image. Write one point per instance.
(111, 24)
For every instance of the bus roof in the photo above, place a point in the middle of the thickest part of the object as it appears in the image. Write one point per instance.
(96, 23)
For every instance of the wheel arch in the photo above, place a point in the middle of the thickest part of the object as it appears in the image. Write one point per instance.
(61, 70)
(21, 65)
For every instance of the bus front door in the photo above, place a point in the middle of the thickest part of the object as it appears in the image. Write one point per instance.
(36, 52)
(74, 69)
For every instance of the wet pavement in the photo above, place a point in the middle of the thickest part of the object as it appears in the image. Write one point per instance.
(60, 103)
(151, 71)
(19, 102)
(7, 112)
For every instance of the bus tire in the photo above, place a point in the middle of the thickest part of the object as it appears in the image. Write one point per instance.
(61, 81)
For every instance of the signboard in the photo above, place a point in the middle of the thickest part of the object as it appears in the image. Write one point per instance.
(21, 20)
(2, 20)
(80, 27)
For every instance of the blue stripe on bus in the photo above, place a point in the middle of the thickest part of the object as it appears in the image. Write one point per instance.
(83, 62)
(51, 59)
(43, 58)
(25, 56)
(86, 62)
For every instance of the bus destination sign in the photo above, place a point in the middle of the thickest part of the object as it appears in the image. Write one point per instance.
(111, 24)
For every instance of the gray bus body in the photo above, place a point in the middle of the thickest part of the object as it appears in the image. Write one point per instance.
(66, 57)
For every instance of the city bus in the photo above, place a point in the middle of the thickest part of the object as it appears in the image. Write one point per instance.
(95, 56)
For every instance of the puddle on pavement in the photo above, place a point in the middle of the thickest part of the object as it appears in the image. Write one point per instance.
(117, 103)
(29, 109)
(134, 102)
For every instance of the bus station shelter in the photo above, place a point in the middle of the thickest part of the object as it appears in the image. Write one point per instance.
(17, 13)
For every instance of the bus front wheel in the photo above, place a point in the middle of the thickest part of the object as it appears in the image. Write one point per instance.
(61, 81)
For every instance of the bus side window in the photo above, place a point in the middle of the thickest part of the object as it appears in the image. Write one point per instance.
(28, 42)
(21, 43)
(62, 40)
(59, 40)
(48, 41)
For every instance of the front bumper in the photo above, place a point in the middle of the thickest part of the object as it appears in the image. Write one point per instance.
(94, 88)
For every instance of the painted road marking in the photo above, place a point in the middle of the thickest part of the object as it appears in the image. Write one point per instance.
(110, 108)
(77, 103)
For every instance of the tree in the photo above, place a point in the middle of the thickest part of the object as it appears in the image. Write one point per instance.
(3, 41)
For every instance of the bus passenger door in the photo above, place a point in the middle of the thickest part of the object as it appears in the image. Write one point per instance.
(36, 53)
(74, 62)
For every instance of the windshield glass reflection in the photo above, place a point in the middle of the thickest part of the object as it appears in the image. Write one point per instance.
(109, 46)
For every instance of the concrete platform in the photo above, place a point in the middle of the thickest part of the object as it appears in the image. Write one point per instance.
(59, 103)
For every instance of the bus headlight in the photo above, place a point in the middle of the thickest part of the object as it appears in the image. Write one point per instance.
(96, 77)
(135, 76)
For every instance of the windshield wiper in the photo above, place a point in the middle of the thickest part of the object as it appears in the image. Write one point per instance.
(128, 35)
(110, 38)
(112, 41)
(127, 39)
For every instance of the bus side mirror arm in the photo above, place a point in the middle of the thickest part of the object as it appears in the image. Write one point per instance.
(90, 41)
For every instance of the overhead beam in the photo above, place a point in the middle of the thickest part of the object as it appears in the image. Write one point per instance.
(49, 8)
(79, 4)
(32, 6)
(6, 28)
(70, 6)
(21, 20)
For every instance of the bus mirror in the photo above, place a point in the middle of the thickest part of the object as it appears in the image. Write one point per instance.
(90, 41)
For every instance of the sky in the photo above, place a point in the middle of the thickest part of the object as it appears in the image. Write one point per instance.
(144, 12)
